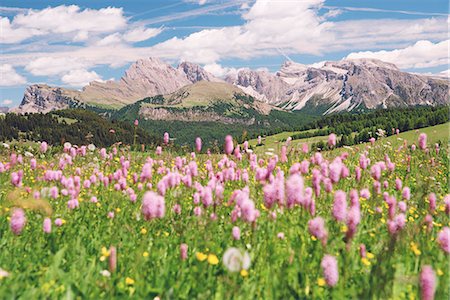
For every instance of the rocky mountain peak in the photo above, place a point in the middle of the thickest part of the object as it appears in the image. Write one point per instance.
(43, 98)
(145, 78)
(195, 73)
(336, 86)
(342, 85)
(290, 68)
(149, 69)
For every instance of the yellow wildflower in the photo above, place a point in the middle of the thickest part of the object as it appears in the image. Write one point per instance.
(105, 252)
(201, 256)
(415, 249)
(129, 281)
(143, 230)
(212, 259)
(320, 281)
(365, 261)
(244, 273)
(145, 254)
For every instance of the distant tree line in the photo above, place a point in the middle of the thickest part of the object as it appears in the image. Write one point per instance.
(77, 126)
(358, 128)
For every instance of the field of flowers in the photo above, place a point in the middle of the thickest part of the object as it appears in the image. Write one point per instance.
(365, 222)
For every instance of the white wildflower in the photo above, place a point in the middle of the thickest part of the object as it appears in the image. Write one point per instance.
(236, 260)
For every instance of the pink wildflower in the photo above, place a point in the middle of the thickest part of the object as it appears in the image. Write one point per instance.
(340, 206)
(236, 233)
(427, 283)
(58, 222)
(406, 194)
(17, 221)
(183, 251)
(432, 200)
(112, 259)
(362, 250)
(153, 206)
(228, 148)
(398, 184)
(158, 150)
(47, 225)
(332, 140)
(316, 227)
(423, 141)
(198, 144)
(443, 239)
(294, 190)
(43, 147)
(330, 270)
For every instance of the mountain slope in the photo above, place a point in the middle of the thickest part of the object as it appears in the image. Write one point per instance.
(329, 87)
(200, 102)
(144, 78)
(210, 110)
(345, 85)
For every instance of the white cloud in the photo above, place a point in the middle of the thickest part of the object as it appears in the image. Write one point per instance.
(50, 66)
(269, 28)
(68, 23)
(422, 54)
(12, 34)
(140, 34)
(9, 76)
(80, 78)
(245, 6)
(333, 13)
(199, 2)
(294, 26)
(386, 33)
(71, 19)
(218, 70)
(112, 39)
(7, 102)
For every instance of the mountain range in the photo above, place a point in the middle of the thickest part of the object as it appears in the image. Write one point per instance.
(325, 88)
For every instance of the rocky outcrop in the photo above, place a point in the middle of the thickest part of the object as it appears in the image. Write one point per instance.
(342, 86)
(195, 73)
(43, 98)
(144, 78)
(205, 101)
(190, 115)
(260, 84)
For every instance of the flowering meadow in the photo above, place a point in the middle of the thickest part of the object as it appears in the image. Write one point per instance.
(369, 221)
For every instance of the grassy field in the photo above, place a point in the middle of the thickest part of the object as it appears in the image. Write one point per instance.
(115, 224)
(435, 134)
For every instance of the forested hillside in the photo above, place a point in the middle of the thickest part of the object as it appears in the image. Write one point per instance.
(77, 126)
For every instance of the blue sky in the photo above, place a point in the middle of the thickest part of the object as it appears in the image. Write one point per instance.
(54, 43)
